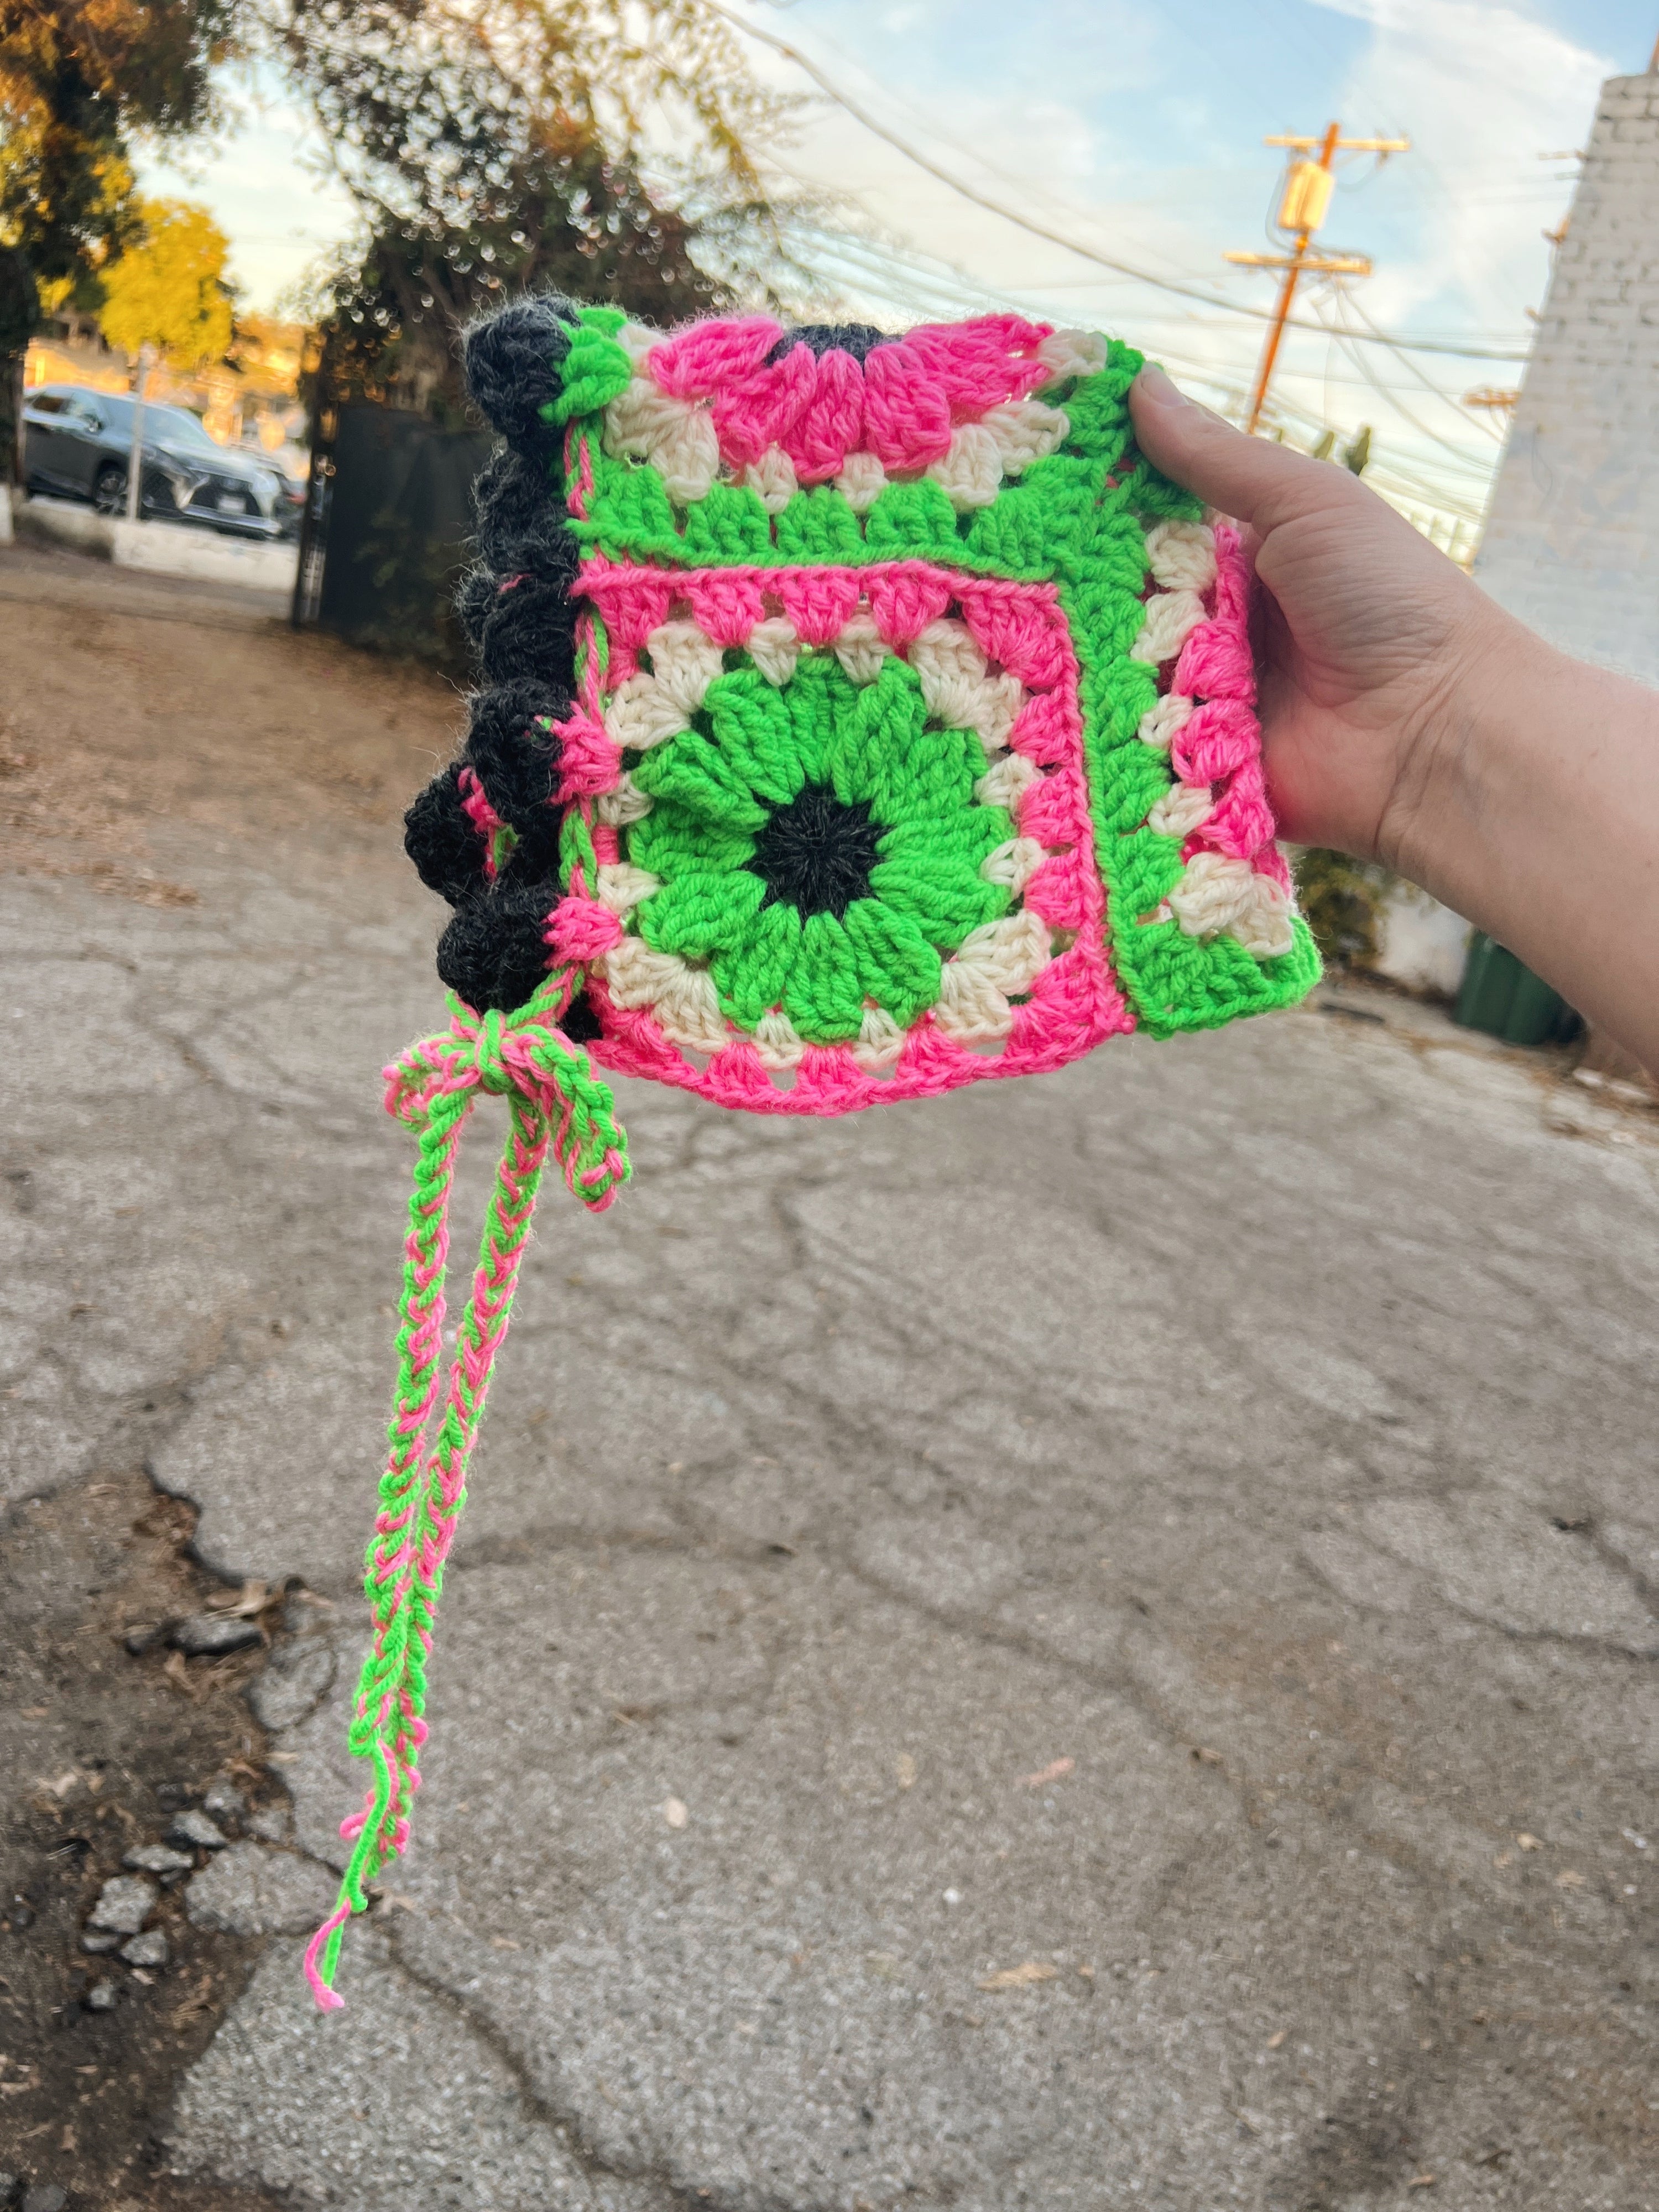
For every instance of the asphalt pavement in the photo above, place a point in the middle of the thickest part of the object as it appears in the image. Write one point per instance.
(1088, 1644)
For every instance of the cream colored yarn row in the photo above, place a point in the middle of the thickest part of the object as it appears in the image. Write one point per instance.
(956, 685)
(1218, 894)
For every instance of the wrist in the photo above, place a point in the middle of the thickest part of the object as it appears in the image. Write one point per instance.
(1459, 752)
(1531, 808)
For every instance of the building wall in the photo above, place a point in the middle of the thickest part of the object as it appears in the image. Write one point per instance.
(1571, 544)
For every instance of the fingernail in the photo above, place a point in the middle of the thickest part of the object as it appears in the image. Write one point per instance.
(1156, 386)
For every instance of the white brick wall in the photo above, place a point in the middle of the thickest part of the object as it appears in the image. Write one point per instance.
(1571, 543)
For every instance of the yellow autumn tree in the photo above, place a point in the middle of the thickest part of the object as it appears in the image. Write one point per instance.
(167, 289)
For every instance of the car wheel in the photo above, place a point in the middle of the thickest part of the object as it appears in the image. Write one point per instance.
(109, 494)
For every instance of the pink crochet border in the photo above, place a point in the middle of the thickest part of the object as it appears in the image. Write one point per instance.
(1074, 1003)
(902, 402)
(1219, 747)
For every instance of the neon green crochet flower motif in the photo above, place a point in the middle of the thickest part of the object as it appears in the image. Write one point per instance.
(818, 845)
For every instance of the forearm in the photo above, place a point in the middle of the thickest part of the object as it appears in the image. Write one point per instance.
(1532, 807)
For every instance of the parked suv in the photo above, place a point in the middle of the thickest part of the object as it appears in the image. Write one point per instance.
(77, 442)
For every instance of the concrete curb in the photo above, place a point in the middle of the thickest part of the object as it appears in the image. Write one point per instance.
(159, 548)
(60, 522)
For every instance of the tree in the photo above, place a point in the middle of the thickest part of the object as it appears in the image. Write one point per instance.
(427, 104)
(496, 145)
(576, 221)
(167, 289)
(80, 80)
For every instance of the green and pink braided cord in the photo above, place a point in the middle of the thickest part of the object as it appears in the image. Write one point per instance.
(554, 1101)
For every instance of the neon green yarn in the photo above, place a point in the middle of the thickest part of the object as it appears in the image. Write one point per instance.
(869, 745)
(1077, 518)
(554, 1102)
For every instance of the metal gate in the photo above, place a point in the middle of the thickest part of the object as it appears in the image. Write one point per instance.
(387, 532)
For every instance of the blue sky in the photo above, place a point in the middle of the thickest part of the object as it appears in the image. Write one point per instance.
(1137, 130)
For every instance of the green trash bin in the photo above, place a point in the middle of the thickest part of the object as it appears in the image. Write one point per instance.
(1502, 997)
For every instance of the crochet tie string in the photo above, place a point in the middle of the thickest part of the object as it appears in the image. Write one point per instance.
(492, 1068)
(523, 1054)
(554, 1102)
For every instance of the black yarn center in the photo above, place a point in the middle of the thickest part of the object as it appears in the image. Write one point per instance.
(817, 853)
(859, 339)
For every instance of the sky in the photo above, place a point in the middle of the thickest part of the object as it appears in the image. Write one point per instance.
(1136, 131)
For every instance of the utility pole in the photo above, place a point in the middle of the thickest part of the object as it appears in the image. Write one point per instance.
(1308, 189)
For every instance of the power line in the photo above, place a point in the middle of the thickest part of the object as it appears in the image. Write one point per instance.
(892, 277)
(1480, 464)
(1207, 298)
(903, 279)
(1344, 340)
(1346, 301)
(1389, 473)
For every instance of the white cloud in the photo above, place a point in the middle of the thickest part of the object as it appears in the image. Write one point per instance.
(265, 190)
(1481, 89)
(1020, 143)
(1454, 227)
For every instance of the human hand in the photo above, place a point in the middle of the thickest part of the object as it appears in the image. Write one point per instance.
(1407, 718)
(1369, 639)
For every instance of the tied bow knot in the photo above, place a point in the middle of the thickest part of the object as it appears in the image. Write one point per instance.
(523, 1055)
(492, 1075)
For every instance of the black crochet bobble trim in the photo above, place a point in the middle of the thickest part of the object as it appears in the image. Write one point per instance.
(515, 606)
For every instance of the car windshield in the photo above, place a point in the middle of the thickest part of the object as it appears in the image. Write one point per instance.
(174, 425)
(179, 424)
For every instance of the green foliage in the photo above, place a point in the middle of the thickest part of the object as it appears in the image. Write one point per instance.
(501, 151)
(571, 219)
(413, 577)
(168, 288)
(494, 147)
(1355, 456)
(431, 106)
(1342, 900)
(78, 80)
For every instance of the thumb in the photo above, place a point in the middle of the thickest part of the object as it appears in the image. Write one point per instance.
(1254, 480)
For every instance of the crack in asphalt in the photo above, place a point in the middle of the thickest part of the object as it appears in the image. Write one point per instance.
(838, 1278)
(566, 2125)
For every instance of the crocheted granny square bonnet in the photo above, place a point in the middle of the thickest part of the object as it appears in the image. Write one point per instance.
(863, 716)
